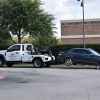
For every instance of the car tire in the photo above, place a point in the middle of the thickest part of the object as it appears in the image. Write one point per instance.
(37, 63)
(68, 61)
(1, 62)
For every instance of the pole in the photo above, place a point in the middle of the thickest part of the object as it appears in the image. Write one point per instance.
(84, 38)
(83, 24)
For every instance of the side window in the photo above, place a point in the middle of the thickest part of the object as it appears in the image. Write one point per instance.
(80, 51)
(29, 48)
(87, 52)
(14, 48)
(76, 51)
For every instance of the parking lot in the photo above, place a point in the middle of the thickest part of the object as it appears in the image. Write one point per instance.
(55, 83)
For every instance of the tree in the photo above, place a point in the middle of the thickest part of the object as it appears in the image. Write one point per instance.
(44, 41)
(21, 17)
(4, 35)
(5, 38)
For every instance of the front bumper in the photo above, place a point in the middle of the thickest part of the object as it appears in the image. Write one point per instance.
(51, 60)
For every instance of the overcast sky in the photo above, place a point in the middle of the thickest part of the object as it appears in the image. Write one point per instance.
(71, 9)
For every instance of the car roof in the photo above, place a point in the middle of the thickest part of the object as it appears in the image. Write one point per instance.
(82, 48)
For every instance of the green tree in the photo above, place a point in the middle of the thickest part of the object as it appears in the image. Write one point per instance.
(25, 17)
(44, 41)
(5, 38)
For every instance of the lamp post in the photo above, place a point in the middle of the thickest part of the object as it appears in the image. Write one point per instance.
(83, 26)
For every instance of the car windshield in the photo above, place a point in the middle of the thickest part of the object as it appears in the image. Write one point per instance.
(94, 52)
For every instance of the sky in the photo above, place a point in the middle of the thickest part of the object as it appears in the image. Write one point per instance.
(71, 10)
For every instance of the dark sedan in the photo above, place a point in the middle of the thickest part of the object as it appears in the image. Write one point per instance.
(84, 56)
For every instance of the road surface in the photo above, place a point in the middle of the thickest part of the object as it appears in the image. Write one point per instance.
(49, 84)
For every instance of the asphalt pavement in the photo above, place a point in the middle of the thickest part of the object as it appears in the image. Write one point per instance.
(49, 84)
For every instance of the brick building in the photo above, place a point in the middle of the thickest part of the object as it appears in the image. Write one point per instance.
(71, 31)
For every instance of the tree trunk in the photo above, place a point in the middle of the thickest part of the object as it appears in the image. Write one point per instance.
(19, 38)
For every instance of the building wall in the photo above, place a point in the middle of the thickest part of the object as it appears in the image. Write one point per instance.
(92, 40)
(74, 29)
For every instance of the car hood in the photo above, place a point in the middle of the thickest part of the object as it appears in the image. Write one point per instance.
(2, 51)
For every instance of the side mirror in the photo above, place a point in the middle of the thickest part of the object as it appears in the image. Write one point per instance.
(8, 50)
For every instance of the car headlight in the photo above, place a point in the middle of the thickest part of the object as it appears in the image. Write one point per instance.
(53, 58)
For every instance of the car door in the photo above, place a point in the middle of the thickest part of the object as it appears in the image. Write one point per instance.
(14, 53)
(91, 58)
(85, 56)
(27, 54)
(80, 56)
(77, 55)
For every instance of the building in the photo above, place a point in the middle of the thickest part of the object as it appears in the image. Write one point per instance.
(71, 31)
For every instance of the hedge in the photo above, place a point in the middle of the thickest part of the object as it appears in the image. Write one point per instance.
(67, 47)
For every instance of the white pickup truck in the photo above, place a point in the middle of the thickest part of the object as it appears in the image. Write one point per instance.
(24, 53)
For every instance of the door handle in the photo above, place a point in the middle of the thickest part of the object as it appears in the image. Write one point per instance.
(12, 54)
(17, 53)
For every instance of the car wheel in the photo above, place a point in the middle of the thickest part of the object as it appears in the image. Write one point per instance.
(1, 62)
(37, 63)
(68, 62)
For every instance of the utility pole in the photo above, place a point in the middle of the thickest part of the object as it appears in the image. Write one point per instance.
(83, 24)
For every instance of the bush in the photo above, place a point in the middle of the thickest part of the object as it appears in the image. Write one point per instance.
(44, 41)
